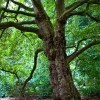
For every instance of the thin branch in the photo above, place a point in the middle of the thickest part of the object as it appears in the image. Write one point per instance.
(78, 43)
(13, 17)
(11, 72)
(84, 13)
(27, 22)
(93, 18)
(76, 54)
(84, 39)
(4, 11)
(22, 5)
(73, 46)
(26, 37)
(17, 12)
(94, 2)
(2, 33)
(81, 13)
(33, 69)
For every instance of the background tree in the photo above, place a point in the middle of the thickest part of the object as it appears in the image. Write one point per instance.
(53, 35)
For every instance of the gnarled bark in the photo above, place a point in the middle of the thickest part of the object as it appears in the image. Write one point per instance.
(60, 73)
(62, 83)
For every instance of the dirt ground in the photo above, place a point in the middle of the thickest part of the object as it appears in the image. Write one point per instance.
(91, 98)
(33, 98)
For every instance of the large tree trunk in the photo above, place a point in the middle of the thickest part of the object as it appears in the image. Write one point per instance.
(61, 81)
(60, 73)
(61, 78)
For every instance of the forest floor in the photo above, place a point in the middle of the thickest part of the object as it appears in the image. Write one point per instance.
(91, 98)
(34, 98)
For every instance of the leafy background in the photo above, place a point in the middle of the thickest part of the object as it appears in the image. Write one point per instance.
(17, 54)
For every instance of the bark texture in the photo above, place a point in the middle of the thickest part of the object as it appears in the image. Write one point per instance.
(60, 73)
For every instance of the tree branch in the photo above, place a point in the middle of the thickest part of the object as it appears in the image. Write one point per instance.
(75, 5)
(81, 13)
(59, 7)
(22, 5)
(4, 11)
(11, 72)
(84, 39)
(72, 7)
(33, 69)
(37, 4)
(2, 33)
(17, 12)
(94, 2)
(68, 47)
(27, 22)
(93, 18)
(81, 2)
(84, 13)
(39, 9)
(19, 26)
(78, 43)
(77, 53)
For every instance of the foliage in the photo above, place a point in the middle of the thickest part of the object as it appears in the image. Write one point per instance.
(87, 72)
(17, 54)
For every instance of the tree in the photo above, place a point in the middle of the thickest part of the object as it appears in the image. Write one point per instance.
(53, 37)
